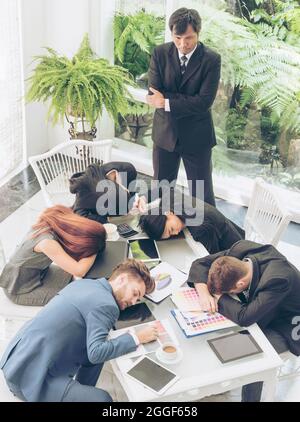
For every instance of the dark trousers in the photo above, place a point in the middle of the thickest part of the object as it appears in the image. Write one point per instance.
(197, 167)
(82, 388)
(252, 392)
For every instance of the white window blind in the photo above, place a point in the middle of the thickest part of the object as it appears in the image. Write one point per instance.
(11, 124)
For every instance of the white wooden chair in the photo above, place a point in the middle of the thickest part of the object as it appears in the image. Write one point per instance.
(54, 168)
(267, 217)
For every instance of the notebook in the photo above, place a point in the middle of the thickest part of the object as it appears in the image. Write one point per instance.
(115, 252)
(197, 323)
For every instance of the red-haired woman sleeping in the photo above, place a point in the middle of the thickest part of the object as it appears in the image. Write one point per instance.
(59, 237)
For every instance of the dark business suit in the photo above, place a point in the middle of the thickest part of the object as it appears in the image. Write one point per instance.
(84, 186)
(186, 131)
(274, 298)
(216, 232)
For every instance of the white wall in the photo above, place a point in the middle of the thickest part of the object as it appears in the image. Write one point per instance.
(33, 38)
(102, 41)
(66, 23)
(61, 25)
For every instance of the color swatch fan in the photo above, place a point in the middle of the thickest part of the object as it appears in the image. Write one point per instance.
(186, 299)
(196, 323)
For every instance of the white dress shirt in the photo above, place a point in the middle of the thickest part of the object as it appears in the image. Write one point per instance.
(247, 291)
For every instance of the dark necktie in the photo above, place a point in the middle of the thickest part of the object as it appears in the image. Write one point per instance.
(183, 64)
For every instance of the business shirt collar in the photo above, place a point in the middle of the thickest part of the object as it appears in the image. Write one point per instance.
(247, 291)
(255, 276)
(189, 55)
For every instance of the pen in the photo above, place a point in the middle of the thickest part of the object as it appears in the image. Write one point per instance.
(135, 211)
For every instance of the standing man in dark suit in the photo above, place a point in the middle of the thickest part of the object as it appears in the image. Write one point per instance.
(183, 79)
(268, 287)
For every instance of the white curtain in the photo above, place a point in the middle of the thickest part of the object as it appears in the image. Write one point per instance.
(11, 123)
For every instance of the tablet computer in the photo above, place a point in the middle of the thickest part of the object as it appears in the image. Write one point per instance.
(114, 253)
(234, 346)
(144, 249)
(134, 315)
(152, 375)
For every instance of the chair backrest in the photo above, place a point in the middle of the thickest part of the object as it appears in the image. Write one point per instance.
(267, 217)
(54, 168)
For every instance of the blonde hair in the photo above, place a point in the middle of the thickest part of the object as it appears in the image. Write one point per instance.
(137, 269)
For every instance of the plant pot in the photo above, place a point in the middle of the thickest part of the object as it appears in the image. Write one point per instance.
(136, 125)
(86, 136)
(80, 128)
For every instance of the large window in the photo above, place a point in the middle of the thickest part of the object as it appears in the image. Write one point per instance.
(257, 110)
(139, 27)
(11, 123)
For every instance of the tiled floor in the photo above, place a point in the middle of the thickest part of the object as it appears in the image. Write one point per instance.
(15, 226)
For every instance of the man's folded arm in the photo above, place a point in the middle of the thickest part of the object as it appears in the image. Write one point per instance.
(245, 314)
(154, 78)
(182, 105)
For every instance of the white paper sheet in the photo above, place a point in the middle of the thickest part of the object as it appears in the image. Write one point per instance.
(177, 279)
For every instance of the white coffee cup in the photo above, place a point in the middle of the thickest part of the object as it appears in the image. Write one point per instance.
(169, 351)
(111, 231)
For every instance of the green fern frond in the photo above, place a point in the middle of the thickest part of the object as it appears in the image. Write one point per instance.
(83, 85)
(255, 58)
(135, 37)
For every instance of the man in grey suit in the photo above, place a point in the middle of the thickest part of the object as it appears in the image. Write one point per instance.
(183, 81)
(58, 356)
(268, 287)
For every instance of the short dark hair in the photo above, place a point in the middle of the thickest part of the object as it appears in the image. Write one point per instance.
(137, 269)
(153, 225)
(224, 273)
(182, 18)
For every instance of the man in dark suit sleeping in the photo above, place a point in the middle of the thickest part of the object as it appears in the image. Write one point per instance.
(116, 176)
(268, 287)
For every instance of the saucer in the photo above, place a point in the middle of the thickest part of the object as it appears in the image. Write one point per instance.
(169, 362)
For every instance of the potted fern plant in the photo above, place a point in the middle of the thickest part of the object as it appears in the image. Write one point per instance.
(135, 37)
(78, 89)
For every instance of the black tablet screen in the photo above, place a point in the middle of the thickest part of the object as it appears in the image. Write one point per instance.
(151, 374)
(134, 315)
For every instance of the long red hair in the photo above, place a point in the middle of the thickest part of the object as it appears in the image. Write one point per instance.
(79, 236)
